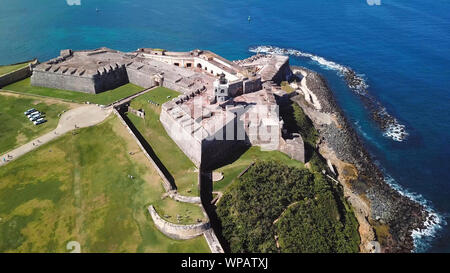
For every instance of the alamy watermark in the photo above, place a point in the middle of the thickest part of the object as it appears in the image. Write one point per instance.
(73, 2)
(373, 2)
(74, 247)
(254, 123)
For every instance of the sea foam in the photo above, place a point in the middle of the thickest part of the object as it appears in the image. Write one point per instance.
(356, 82)
(432, 225)
(391, 128)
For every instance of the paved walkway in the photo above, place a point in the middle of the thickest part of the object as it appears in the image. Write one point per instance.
(83, 116)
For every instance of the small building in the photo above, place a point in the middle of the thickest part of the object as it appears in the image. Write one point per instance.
(221, 88)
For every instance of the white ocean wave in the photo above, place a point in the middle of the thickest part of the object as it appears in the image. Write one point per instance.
(433, 224)
(356, 83)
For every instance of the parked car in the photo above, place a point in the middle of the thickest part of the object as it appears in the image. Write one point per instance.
(39, 121)
(34, 118)
(33, 114)
(29, 111)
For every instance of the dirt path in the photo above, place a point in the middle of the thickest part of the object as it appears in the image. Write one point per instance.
(83, 116)
(47, 100)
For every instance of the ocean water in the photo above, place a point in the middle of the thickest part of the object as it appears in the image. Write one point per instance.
(399, 48)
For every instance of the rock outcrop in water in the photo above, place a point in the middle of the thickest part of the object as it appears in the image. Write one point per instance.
(383, 213)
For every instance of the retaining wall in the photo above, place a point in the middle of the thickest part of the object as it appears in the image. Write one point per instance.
(186, 199)
(178, 232)
(167, 185)
(17, 75)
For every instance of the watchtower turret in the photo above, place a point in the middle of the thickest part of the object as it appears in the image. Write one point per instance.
(221, 88)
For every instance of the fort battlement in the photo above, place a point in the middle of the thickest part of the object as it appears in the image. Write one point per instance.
(214, 90)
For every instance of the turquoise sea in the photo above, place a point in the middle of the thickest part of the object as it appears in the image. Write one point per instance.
(400, 48)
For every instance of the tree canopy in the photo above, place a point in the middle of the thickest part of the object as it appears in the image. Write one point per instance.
(301, 210)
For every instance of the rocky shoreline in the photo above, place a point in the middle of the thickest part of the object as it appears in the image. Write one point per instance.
(382, 118)
(385, 216)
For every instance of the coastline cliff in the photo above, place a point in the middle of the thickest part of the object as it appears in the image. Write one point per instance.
(386, 218)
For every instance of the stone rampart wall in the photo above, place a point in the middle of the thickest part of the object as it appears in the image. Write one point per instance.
(178, 232)
(182, 135)
(166, 183)
(114, 78)
(283, 73)
(252, 85)
(140, 78)
(62, 81)
(16, 75)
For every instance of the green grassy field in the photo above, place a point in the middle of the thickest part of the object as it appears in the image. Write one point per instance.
(177, 163)
(5, 69)
(77, 188)
(16, 128)
(231, 171)
(103, 98)
(158, 95)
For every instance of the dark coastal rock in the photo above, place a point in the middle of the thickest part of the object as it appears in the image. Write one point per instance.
(400, 213)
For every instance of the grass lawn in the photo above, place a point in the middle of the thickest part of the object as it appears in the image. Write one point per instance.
(5, 69)
(158, 95)
(103, 98)
(286, 87)
(76, 188)
(231, 171)
(177, 163)
(16, 128)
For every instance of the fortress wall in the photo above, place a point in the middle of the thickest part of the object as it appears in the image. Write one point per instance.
(166, 184)
(140, 78)
(182, 58)
(252, 85)
(235, 88)
(15, 76)
(216, 70)
(283, 73)
(294, 148)
(185, 199)
(182, 136)
(214, 150)
(178, 232)
(62, 81)
(213, 241)
(109, 80)
(176, 87)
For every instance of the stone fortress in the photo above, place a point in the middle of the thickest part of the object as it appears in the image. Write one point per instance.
(222, 104)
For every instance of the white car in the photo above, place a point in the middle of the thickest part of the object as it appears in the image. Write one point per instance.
(34, 118)
(29, 111)
(39, 121)
(33, 114)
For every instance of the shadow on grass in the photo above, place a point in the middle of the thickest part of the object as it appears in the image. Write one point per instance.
(150, 151)
(206, 186)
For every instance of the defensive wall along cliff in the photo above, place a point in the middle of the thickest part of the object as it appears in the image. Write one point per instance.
(18, 74)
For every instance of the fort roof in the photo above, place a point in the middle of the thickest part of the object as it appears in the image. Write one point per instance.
(266, 65)
(86, 62)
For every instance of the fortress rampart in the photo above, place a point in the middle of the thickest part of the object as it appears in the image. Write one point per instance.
(178, 232)
(18, 74)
